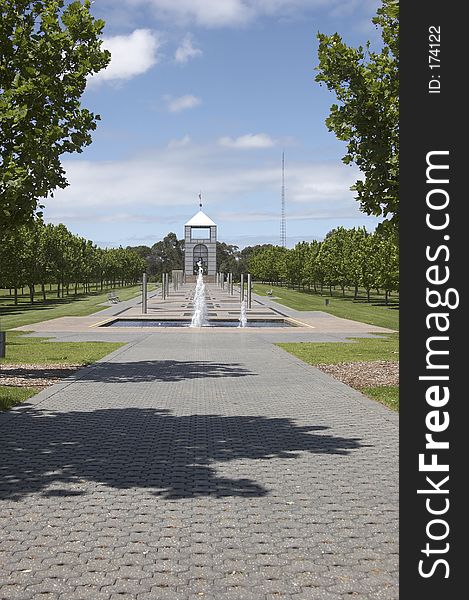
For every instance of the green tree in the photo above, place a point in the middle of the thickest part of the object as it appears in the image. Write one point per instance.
(269, 263)
(297, 264)
(143, 251)
(370, 263)
(366, 84)
(388, 265)
(226, 258)
(313, 274)
(243, 260)
(354, 251)
(167, 254)
(335, 258)
(60, 249)
(31, 236)
(12, 272)
(48, 48)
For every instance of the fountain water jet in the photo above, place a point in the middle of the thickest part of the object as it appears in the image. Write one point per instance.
(243, 317)
(199, 317)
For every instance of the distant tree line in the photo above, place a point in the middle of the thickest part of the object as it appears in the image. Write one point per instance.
(168, 254)
(347, 258)
(36, 255)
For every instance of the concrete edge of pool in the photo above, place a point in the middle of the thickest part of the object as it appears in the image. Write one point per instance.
(163, 323)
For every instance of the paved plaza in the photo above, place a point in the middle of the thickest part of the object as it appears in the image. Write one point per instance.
(199, 464)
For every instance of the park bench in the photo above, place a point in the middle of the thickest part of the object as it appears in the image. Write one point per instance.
(113, 298)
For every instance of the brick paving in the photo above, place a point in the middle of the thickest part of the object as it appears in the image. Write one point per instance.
(203, 466)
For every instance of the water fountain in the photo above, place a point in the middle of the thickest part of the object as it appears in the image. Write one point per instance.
(199, 317)
(243, 317)
(200, 314)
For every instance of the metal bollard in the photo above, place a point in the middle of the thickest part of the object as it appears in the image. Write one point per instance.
(144, 294)
(241, 289)
(249, 290)
(3, 343)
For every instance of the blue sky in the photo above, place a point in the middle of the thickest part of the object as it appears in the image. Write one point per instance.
(203, 96)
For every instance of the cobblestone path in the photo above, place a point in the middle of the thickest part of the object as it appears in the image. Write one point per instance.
(203, 466)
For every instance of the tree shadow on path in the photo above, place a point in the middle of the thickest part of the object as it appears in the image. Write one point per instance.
(172, 456)
(161, 370)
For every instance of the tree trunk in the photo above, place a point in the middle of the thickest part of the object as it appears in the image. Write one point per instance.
(330, 289)
(355, 295)
(368, 294)
(16, 296)
(386, 296)
(76, 288)
(58, 289)
(31, 293)
(343, 291)
(43, 290)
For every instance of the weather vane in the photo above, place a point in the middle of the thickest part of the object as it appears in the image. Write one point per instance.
(200, 200)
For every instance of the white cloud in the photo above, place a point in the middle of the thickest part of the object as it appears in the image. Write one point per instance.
(156, 192)
(182, 103)
(186, 50)
(185, 141)
(131, 55)
(248, 141)
(174, 179)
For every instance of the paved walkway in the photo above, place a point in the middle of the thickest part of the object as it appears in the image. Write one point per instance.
(211, 466)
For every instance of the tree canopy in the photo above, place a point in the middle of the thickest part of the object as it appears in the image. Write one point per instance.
(48, 48)
(366, 85)
(345, 258)
(166, 255)
(40, 254)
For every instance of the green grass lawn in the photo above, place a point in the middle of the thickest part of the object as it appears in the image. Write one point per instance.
(38, 351)
(374, 313)
(71, 306)
(9, 396)
(357, 350)
(386, 394)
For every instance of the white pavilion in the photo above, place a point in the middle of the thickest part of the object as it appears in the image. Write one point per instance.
(200, 235)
